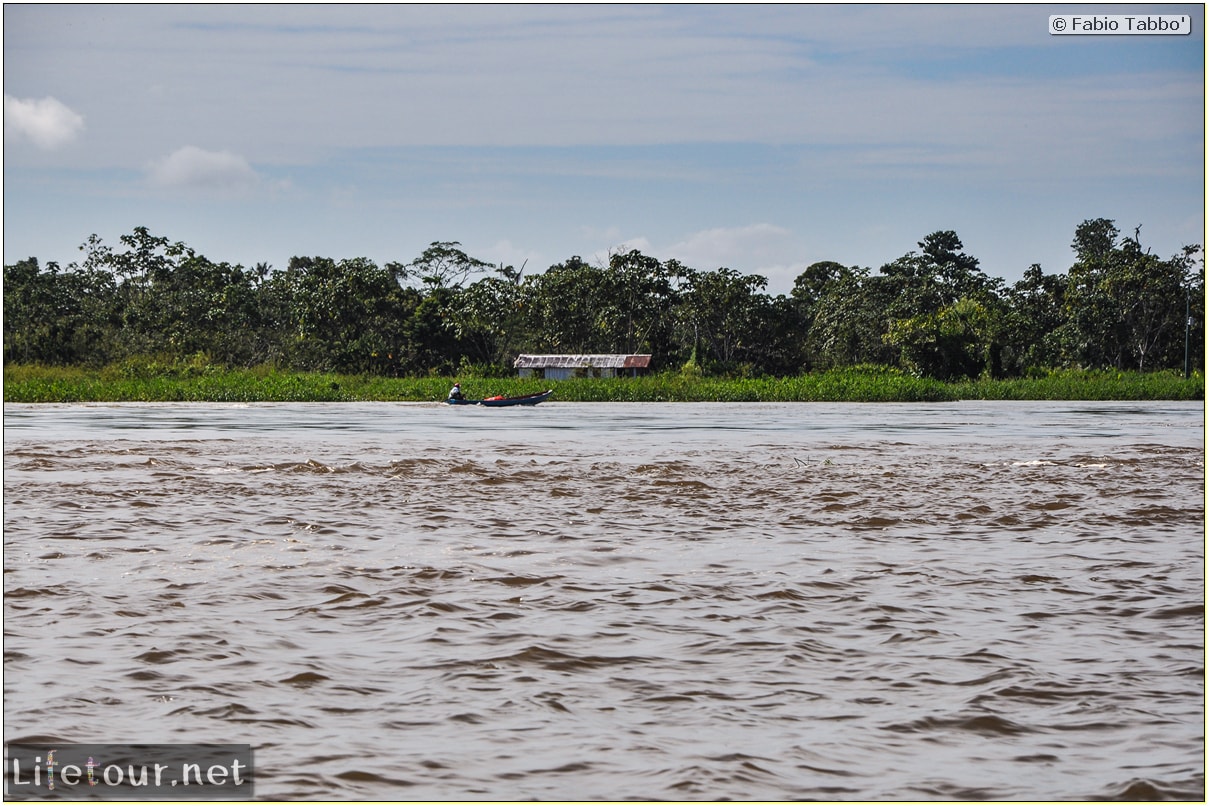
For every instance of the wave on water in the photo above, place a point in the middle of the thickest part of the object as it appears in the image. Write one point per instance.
(978, 612)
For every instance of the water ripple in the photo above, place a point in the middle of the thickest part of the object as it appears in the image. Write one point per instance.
(959, 602)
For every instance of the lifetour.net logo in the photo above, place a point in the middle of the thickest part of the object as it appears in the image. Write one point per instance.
(74, 772)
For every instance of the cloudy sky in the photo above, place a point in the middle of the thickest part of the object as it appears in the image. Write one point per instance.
(758, 137)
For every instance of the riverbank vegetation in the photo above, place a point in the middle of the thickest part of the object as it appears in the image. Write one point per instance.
(151, 319)
(138, 382)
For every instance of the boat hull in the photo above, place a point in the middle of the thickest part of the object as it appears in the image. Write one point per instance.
(522, 400)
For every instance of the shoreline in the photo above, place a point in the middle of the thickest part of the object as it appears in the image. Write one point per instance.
(192, 383)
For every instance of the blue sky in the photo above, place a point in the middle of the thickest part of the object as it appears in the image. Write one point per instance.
(758, 137)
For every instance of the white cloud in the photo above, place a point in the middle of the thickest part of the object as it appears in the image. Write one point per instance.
(195, 168)
(723, 246)
(861, 128)
(47, 123)
(773, 252)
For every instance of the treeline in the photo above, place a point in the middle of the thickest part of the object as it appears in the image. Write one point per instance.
(931, 312)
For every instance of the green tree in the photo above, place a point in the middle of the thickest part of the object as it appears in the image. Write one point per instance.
(637, 299)
(437, 334)
(564, 306)
(442, 265)
(1149, 290)
(814, 282)
(944, 312)
(1125, 306)
(57, 317)
(431, 336)
(811, 289)
(1193, 356)
(1036, 313)
(145, 261)
(625, 307)
(777, 346)
(934, 278)
(170, 301)
(850, 320)
(932, 311)
(347, 315)
(722, 315)
(954, 342)
(489, 319)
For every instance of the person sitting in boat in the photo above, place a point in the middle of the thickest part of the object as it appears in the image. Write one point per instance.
(456, 392)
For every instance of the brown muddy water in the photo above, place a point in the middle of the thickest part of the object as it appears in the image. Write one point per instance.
(616, 601)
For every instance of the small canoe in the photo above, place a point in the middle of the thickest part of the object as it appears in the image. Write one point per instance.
(521, 400)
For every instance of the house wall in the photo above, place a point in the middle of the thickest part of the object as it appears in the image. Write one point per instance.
(565, 373)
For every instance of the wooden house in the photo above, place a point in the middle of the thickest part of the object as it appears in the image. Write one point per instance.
(561, 367)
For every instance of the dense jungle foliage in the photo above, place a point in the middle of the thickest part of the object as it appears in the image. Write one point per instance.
(931, 313)
(144, 381)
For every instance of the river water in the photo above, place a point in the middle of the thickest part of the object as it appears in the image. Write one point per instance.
(619, 601)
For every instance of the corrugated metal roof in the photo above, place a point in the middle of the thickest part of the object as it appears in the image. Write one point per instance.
(601, 361)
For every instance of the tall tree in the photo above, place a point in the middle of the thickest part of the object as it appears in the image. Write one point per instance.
(1036, 313)
(564, 307)
(721, 314)
(811, 289)
(944, 311)
(850, 320)
(1126, 306)
(346, 315)
(489, 318)
(58, 317)
(442, 265)
(638, 299)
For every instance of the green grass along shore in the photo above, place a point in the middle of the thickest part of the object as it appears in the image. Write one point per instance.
(205, 383)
